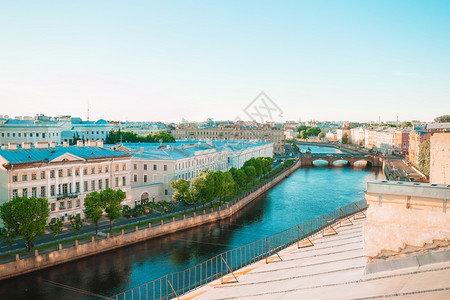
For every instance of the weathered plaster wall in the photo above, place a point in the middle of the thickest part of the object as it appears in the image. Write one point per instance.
(440, 158)
(405, 214)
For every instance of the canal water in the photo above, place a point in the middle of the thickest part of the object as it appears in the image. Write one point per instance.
(306, 194)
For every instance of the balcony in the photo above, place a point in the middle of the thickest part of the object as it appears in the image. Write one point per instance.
(67, 195)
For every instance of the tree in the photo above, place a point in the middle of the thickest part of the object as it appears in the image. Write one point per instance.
(55, 226)
(181, 189)
(138, 210)
(76, 223)
(250, 174)
(6, 236)
(127, 211)
(321, 136)
(93, 208)
(112, 201)
(26, 217)
(406, 124)
(161, 206)
(442, 119)
(227, 186)
(345, 138)
(204, 188)
(424, 157)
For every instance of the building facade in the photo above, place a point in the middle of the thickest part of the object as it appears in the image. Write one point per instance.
(63, 175)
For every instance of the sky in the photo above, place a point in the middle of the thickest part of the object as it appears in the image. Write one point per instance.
(168, 60)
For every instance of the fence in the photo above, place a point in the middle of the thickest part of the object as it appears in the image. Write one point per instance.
(176, 284)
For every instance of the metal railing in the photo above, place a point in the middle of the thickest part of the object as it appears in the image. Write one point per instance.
(223, 265)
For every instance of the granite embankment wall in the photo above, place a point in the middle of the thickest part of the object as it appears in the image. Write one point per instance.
(41, 261)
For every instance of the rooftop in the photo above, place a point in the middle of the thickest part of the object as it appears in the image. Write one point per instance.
(334, 268)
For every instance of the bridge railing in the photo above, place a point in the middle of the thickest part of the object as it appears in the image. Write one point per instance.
(223, 265)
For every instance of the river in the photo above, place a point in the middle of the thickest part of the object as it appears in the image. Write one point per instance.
(306, 194)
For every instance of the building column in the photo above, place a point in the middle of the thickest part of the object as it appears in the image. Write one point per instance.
(81, 180)
(74, 189)
(57, 182)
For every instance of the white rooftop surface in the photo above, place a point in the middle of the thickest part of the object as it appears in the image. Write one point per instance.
(332, 269)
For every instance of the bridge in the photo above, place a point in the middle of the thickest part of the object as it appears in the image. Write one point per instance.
(307, 159)
(342, 148)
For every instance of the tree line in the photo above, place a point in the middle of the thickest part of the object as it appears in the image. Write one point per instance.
(210, 185)
(118, 136)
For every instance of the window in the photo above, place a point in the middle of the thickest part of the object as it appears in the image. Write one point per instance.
(42, 191)
(64, 188)
(124, 167)
(43, 135)
(52, 173)
(77, 187)
(145, 166)
(69, 172)
(52, 207)
(62, 205)
(15, 178)
(14, 135)
(135, 178)
(116, 167)
(135, 166)
(106, 169)
(124, 180)
(154, 168)
(100, 169)
(145, 178)
(93, 185)
(69, 204)
(92, 170)
(106, 183)
(60, 173)
(100, 184)
(84, 171)
(25, 192)
(52, 190)
(14, 193)
(166, 192)
(117, 181)
(42, 174)
(77, 171)
(24, 177)
(165, 167)
(78, 203)
(31, 134)
(86, 186)
(33, 176)
(34, 192)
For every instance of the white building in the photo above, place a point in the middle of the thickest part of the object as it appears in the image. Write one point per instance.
(63, 175)
(154, 167)
(357, 136)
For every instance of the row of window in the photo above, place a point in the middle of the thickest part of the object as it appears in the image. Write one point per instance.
(68, 172)
(65, 205)
(30, 134)
(155, 167)
(67, 188)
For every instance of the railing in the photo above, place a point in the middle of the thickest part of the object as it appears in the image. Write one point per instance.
(175, 284)
(66, 195)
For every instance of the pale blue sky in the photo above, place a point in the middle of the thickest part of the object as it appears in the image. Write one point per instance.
(148, 60)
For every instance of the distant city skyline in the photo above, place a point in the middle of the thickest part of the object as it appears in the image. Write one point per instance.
(164, 61)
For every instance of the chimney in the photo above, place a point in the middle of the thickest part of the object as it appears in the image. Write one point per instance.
(52, 144)
(79, 143)
(12, 146)
(91, 143)
(41, 145)
(26, 145)
(65, 144)
(100, 143)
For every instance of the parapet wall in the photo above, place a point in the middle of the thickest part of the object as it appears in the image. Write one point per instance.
(404, 217)
(41, 261)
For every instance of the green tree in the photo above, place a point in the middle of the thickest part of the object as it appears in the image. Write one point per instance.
(182, 191)
(127, 211)
(55, 226)
(442, 119)
(250, 174)
(26, 217)
(138, 210)
(406, 124)
(112, 202)
(345, 138)
(93, 208)
(204, 187)
(321, 136)
(424, 157)
(76, 223)
(228, 185)
(6, 236)
(313, 131)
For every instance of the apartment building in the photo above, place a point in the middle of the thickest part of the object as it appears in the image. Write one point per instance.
(63, 175)
(154, 167)
(417, 136)
(266, 132)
